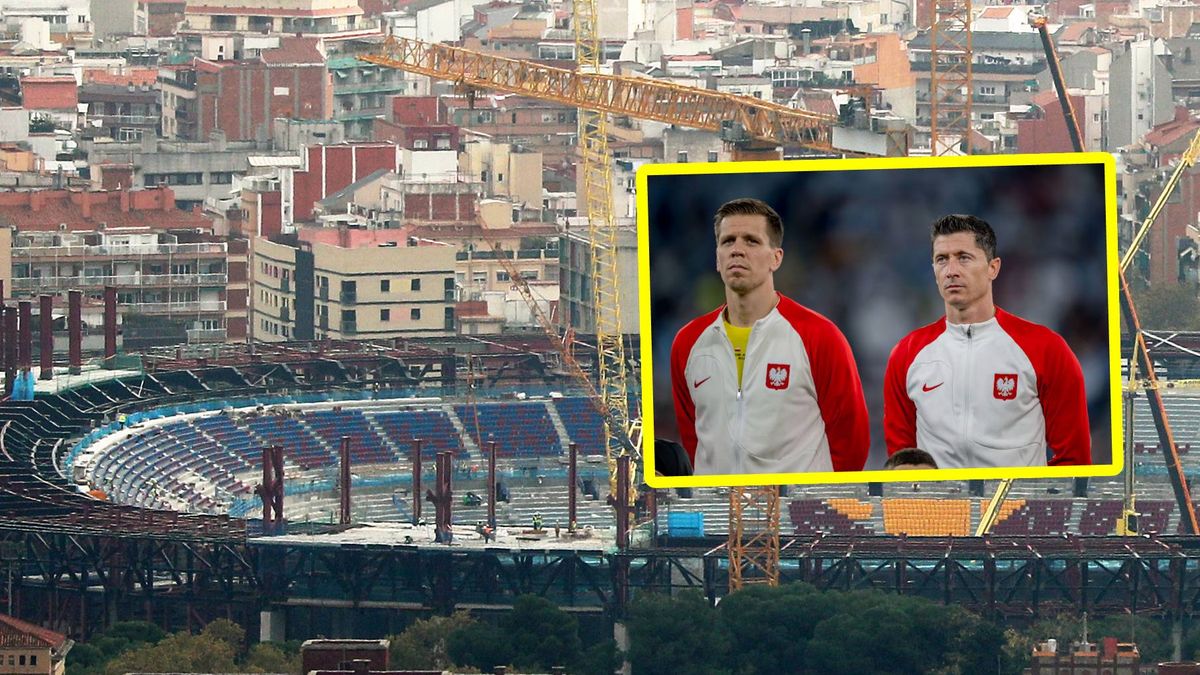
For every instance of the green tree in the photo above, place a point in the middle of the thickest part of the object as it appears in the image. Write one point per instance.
(423, 644)
(676, 635)
(1167, 307)
(885, 633)
(542, 635)
(265, 657)
(1019, 644)
(177, 653)
(226, 631)
(480, 645)
(85, 658)
(137, 632)
(770, 627)
(1151, 635)
(602, 658)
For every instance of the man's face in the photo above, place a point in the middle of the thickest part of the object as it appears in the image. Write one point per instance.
(963, 272)
(745, 256)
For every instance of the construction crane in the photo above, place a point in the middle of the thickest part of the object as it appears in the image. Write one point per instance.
(755, 128)
(594, 183)
(951, 83)
(1038, 21)
(747, 123)
(1141, 354)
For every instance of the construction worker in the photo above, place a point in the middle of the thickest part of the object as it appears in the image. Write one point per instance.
(537, 522)
(121, 419)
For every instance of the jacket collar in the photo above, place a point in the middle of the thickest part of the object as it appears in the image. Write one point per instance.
(974, 330)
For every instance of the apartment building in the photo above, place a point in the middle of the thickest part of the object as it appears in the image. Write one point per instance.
(304, 290)
(324, 19)
(1004, 63)
(171, 275)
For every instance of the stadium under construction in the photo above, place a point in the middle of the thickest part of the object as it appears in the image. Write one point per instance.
(139, 494)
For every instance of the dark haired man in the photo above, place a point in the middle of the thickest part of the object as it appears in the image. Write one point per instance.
(910, 458)
(762, 384)
(981, 387)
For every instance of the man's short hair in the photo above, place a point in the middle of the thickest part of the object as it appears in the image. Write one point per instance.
(910, 457)
(748, 206)
(985, 237)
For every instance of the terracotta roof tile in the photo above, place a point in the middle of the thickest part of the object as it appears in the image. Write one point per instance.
(12, 630)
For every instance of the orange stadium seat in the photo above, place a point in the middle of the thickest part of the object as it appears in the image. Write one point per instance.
(852, 508)
(927, 517)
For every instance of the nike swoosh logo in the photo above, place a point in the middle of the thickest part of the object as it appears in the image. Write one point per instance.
(928, 388)
(696, 385)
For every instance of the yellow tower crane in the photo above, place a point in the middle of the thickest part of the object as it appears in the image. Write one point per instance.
(754, 127)
(594, 185)
(950, 77)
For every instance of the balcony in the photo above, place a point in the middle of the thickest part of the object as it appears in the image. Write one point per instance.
(347, 297)
(118, 251)
(126, 120)
(349, 327)
(323, 293)
(987, 68)
(522, 254)
(285, 285)
(35, 284)
(201, 335)
(394, 87)
(285, 314)
(176, 307)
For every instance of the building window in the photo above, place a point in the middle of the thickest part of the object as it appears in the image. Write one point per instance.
(712, 155)
(681, 157)
(420, 144)
(385, 315)
(21, 660)
(220, 177)
(415, 314)
(416, 284)
(33, 659)
(385, 285)
(502, 276)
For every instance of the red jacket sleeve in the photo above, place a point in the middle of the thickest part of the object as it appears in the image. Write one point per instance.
(840, 398)
(1060, 388)
(899, 412)
(1063, 396)
(685, 408)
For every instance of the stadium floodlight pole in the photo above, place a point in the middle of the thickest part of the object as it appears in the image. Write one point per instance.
(345, 487)
(75, 331)
(492, 485)
(25, 336)
(416, 481)
(46, 355)
(623, 510)
(10, 349)
(572, 477)
(443, 498)
(110, 322)
(5, 336)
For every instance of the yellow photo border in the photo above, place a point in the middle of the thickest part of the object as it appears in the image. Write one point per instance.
(789, 166)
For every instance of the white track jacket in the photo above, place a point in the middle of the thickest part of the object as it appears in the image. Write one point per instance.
(800, 408)
(991, 394)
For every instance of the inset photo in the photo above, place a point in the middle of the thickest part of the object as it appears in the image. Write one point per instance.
(834, 321)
